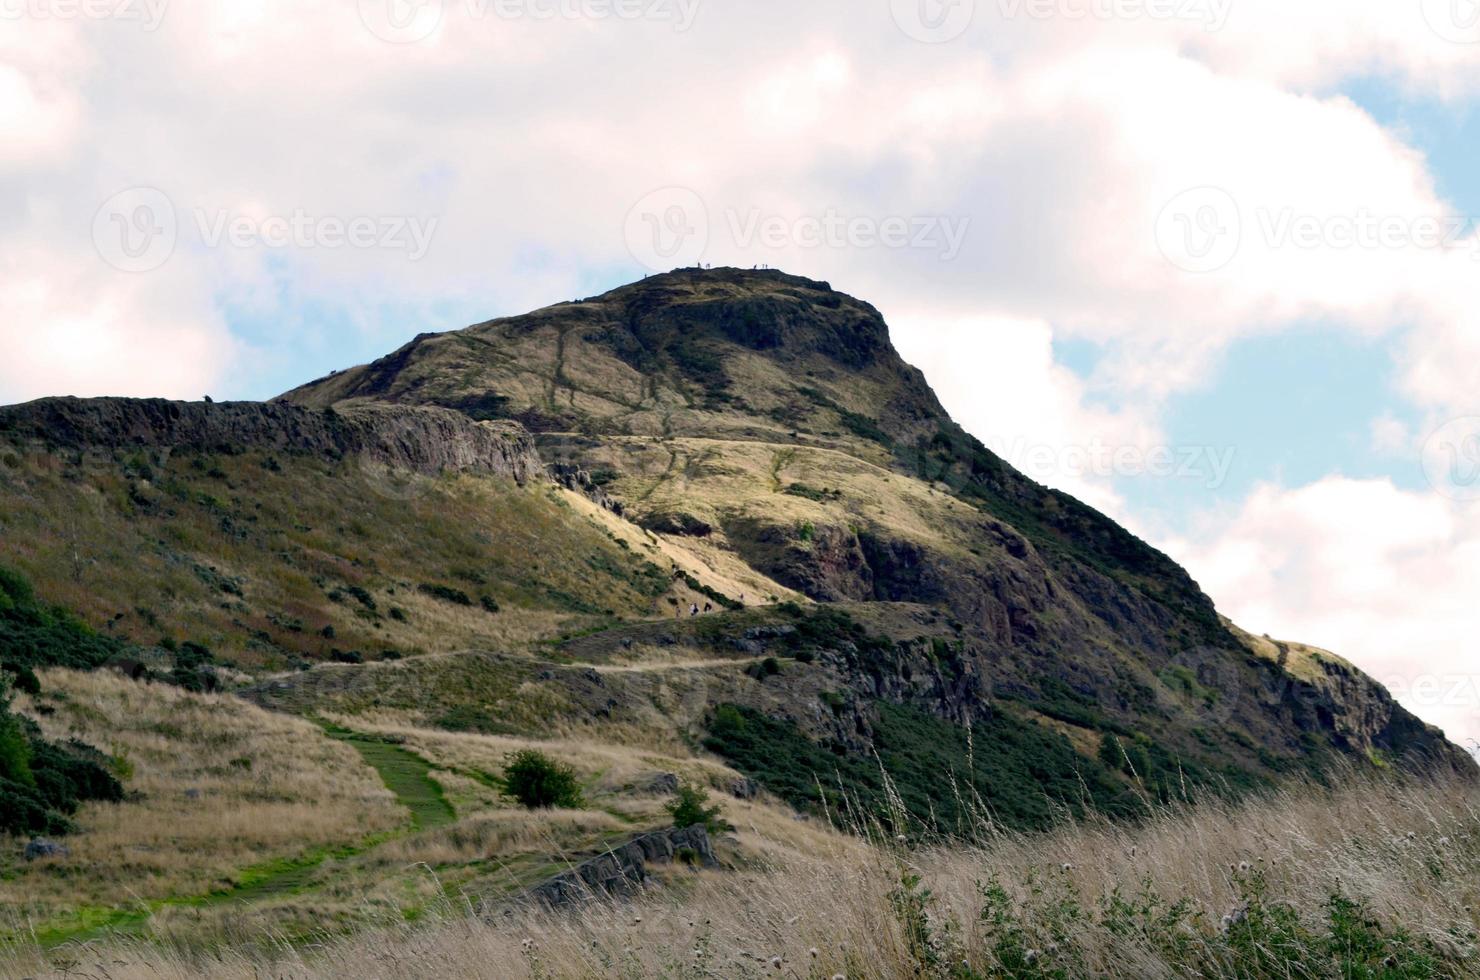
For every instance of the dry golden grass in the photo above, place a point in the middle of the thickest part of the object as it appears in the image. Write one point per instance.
(718, 480)
(827, 904)
(249, 553)
(215, 785)
(708, 560)
(615, 778)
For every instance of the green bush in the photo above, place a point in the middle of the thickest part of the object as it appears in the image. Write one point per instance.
(537, 781)
(193, 668)
(42, 783)
(33, 635)
(688, 809)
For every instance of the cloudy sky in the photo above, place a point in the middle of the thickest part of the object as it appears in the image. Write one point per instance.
(1206, 263)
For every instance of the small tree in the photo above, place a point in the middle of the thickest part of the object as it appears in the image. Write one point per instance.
(688, 809)
(539, 782)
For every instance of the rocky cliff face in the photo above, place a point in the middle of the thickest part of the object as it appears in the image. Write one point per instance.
(422, 440)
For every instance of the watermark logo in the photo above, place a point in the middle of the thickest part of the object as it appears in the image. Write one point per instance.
(1203, 229)
(668, 229)
(942, 234)
(1457, 21)
(1451, 459)
(402, 21)
(301, 230)
(933, 21)
(148, 14)
(1208, 465)
(1200, 229)
(136, 230)
(680, 13)
(1203, 682)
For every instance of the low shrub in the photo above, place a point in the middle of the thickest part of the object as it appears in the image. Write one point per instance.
(538, 782)
(446, 593)
(688, 809)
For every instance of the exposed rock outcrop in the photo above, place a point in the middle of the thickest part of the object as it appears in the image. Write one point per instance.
(421, 439)
(622, 870)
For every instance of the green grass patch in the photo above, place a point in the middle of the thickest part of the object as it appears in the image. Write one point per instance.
(405, 774)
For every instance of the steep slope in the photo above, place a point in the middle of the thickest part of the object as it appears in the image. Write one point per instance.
(276, 537)
(769, 417)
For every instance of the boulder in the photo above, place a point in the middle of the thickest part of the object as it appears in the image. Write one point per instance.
(623, 869)
(41, 848)
(665, 783)
(745, 789)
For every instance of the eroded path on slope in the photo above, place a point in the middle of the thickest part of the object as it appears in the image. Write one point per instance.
(406, 774)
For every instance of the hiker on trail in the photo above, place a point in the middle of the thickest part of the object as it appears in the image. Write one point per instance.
(708, 607)
(694, 609)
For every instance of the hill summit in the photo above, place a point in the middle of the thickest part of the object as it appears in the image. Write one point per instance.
(767, 418)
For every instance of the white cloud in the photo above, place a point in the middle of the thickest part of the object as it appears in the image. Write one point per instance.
(997, 377)
(1385, 577)
(106, 333)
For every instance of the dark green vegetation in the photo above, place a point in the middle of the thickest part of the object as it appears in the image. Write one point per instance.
(42, 783)
(538, 782)
(33, 635)
(688, 809)
(1008, 770)
(1043, 931)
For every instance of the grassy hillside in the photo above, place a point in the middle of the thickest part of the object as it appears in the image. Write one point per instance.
(1374, 880)
(706, 531)
(272, 560)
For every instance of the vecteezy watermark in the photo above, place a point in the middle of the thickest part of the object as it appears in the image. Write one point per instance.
(1203, 229)
(301, 230)
(667, 229)
(933, 21)
(1451, 459)
(680, 13)
(939, 21)
(1200, 229)
(410, 21)
(1457, 690)
(149, 14)
(671, 228)
(401, 21)
(137, 230)
(1209, 465)
(942, 234)
(1457, 21)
